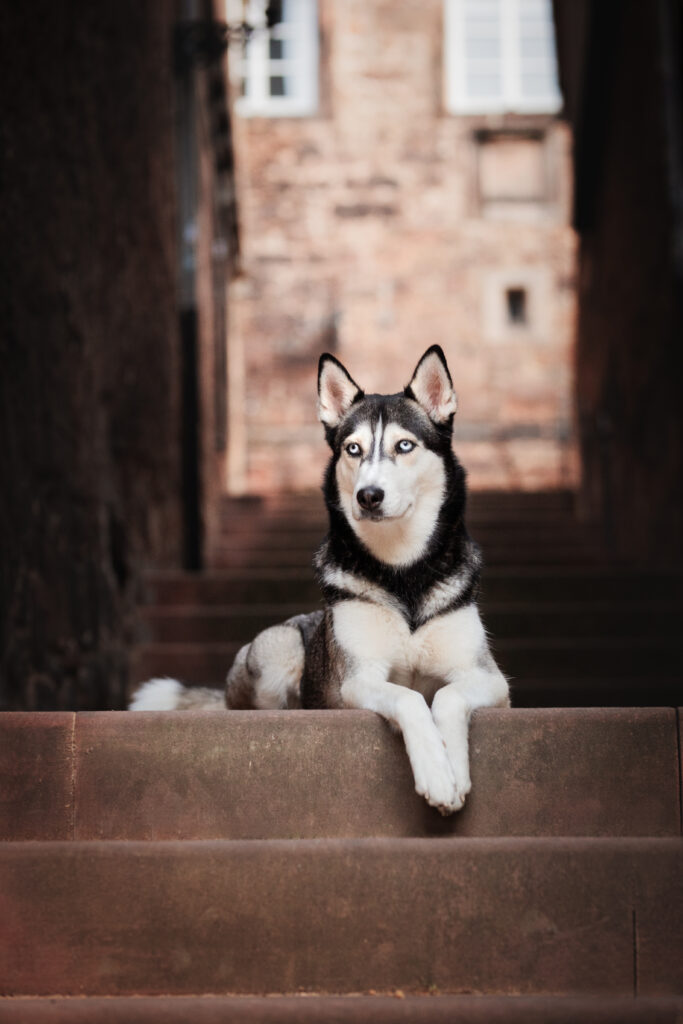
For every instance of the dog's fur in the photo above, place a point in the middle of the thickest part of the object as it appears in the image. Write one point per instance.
(399, 633)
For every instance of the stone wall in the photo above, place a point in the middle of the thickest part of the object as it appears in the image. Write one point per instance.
(629, 379)
(215, 252)
(89, 386)
(384, 224)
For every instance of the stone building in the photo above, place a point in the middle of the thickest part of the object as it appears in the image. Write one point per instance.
(404, 180)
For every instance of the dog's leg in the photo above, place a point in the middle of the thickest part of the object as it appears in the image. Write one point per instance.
(452, 708)
(267, 672)
(407, 709)
(451, 713)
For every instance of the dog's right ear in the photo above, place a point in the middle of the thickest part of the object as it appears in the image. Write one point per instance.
(337, 391)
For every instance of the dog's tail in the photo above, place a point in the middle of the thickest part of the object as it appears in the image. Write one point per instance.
(170, 695)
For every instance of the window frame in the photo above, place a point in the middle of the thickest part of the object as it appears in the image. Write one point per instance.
(256, 67)
(511, 100)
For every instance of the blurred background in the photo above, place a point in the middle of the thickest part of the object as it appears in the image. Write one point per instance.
(199, 197)
(421, 195)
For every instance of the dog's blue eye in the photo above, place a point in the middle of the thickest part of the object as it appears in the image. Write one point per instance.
(405, 446)
(353, 449)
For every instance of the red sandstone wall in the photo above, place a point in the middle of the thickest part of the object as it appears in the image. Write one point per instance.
(364, 231)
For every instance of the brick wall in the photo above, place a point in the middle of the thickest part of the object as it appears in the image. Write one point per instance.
(384, 224)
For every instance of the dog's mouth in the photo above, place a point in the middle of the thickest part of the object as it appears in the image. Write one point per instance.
(377, 516)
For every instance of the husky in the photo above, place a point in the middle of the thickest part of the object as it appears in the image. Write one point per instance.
(399, 632)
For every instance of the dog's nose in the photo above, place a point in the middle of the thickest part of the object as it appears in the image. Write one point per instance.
(370, 498)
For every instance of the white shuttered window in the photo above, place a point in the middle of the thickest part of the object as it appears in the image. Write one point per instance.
(500, 56)
(279, 67)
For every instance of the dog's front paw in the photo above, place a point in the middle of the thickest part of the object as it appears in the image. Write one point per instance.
(443, 798)
(458, 794)
(436, 783)
(456, 802)
(462, 789)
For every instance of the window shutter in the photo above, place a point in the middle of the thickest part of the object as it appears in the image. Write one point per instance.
(280, 66)
(483, 50)
(500, 56)
(538, 65)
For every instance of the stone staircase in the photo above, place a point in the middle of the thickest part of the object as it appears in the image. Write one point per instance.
(278, 866)
(569, 628)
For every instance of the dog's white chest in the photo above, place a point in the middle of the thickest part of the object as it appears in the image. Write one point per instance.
(369, 632)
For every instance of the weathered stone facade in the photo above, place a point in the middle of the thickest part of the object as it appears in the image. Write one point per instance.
(384, 224)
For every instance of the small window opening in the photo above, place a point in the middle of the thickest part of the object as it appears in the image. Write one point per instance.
(276, 49)
(516, 306)
(277, 85)
(279, 65)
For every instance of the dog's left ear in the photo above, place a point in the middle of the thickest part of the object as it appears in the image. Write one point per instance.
(432, 387)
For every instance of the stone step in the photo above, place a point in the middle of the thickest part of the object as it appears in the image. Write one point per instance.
(211, 623)
(332, 774)
(225, 557)
(643, 671)
(216, 623)
(533, 500)
(286, 529)
(492, 916)
(278, 533)
(296, 586)
(507, 501)
(374, 1009)
(485, 529)
(605, 691)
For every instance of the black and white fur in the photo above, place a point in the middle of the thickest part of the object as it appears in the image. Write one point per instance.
(400, 632)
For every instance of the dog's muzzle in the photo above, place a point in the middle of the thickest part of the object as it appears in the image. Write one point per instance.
(370, 500)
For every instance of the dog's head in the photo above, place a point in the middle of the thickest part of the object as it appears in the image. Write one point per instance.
(392, 462)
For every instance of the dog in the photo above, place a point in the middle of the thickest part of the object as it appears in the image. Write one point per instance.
(400, 632)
